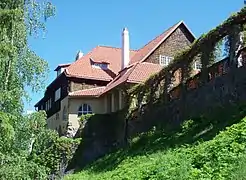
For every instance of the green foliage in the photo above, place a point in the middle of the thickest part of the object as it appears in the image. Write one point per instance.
(239, 173)
(85, 117)
(183, 153)
(28, 150)
(20, 67)
(6, 132)
(31, 151)
(17, 134)
(56, 153)
(13, 166)
(207, 49)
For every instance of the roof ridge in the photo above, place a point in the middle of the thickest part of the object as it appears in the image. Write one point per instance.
(114, 47)
(66, 71)
(160, 38)
(162, 33)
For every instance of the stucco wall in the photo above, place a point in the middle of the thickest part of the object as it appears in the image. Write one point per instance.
(60, 123)
(114, 100)
(56, 121)
(98, 106)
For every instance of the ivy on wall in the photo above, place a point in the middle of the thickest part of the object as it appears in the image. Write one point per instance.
(205, 49)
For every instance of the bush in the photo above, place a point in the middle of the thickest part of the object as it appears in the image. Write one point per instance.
(57, 154)
(16, 167)
(85, 117)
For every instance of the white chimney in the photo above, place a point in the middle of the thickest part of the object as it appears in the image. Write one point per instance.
(79, 55)
(125, 59)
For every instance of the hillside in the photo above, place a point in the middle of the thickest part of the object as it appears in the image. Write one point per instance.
(198, 127)
(211, 146)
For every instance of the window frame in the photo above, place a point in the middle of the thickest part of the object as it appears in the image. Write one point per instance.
(197, 64)
(81, 111)
(57, 116)
(48, 104)
(64, 114)
(103, 66)
(57, 94)
(165, 60)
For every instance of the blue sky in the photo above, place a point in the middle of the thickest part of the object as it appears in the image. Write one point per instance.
(82, 25)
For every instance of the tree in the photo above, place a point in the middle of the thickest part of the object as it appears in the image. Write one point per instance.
(20, 67)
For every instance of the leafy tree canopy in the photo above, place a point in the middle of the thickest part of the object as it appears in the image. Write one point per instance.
(22, 138)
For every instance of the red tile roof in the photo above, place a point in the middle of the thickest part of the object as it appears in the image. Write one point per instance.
(112, 56)
(138, 70)
(142, 71)
(92, 92)
(82, 67)
(137, 73)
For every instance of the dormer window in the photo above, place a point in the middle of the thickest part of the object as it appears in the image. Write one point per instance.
(101, 65)
(165, 60)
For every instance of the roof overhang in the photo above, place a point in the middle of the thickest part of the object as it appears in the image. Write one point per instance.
(62, 66)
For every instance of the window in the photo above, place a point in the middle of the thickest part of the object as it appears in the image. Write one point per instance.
(57, 116)
(100, 65)
(64, 115)
(84, 109)
(165, 60)
(58, 94)
(197, 65)
(48, 104)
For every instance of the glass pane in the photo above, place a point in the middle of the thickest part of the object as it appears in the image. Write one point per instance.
(80, 108)
(85, 107)
(89, 108)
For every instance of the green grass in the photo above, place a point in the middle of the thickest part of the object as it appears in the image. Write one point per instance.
(211, 146)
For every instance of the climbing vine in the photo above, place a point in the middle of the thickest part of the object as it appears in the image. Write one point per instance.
(205, 49)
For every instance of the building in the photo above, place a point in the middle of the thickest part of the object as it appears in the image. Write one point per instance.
(93, 83)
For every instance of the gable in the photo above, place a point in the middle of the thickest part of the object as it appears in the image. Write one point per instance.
(146, 60)
(178, 40)
(151, 45)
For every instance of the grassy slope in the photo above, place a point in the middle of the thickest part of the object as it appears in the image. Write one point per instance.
(207, 147)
